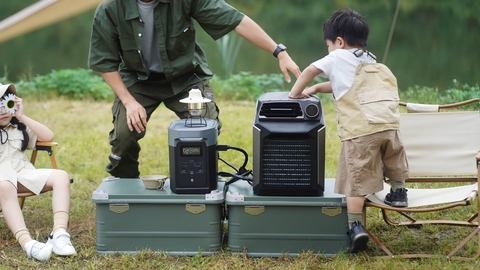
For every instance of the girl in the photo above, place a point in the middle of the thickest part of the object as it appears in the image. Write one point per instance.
(17, 133)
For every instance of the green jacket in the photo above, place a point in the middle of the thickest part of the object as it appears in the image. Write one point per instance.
(116, 38)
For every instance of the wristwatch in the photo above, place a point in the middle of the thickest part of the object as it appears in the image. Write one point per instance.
(280, 48)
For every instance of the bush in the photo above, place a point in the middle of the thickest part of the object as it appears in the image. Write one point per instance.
(459, 92)
(74, 83)
(84, 83)
(245, 86)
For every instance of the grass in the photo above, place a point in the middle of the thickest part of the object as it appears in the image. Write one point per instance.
(81, 129)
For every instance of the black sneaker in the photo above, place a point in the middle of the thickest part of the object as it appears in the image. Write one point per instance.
(358, 237)
(397, 198)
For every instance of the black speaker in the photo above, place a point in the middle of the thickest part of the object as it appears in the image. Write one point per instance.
(288, 146)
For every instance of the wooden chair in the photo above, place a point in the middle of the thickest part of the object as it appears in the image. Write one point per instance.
(442, 147)
(40, 146)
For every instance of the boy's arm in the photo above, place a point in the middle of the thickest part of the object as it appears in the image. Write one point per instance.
(325, 87)
(302, 82)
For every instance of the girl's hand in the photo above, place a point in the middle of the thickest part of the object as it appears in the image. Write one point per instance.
(19, 112)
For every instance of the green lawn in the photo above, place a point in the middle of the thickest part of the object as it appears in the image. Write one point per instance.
(81, 129)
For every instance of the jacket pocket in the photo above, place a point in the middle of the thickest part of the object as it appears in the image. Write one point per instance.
(131, 56)
(181, 40)
(380, 107)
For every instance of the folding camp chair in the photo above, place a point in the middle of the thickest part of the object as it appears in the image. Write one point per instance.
(442, 147)
(40, 146)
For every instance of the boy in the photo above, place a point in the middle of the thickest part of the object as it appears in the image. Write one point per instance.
(366, 99)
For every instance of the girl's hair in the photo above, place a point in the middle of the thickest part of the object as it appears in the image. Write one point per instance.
(21, 126)
(347, 24)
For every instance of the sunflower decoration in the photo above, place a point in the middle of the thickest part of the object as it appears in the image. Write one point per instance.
(9, 103)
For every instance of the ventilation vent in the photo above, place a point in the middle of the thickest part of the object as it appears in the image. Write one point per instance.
(287, 162)
(281, 110)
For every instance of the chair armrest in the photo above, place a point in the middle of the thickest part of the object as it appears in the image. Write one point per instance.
(45, 144)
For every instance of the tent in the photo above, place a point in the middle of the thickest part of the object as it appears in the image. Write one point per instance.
(41, 14)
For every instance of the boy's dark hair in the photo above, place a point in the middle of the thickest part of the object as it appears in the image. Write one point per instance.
(21, 126)
(347, 24)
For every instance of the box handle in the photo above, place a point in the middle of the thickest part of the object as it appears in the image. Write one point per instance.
(195, 208)
(332, 211)
(119, 208)
(255, 210)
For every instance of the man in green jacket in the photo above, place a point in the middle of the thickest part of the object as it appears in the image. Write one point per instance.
(147, 53)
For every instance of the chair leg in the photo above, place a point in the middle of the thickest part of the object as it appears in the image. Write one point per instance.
(380, 244)
(21, 202)
(463, 243)
(53, 160)
(4, 242)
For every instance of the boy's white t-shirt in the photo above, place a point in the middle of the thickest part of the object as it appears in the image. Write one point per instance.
(339, 66)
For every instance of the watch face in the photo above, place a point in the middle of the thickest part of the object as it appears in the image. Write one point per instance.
(281, 47)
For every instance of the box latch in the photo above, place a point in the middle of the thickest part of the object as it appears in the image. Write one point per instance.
(332, 211)
(119, 208)
(195, 208)
(254, 210)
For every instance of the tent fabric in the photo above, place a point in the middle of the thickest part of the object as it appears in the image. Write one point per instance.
(41, 14)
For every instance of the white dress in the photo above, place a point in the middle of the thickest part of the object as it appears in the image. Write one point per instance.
(14, 163)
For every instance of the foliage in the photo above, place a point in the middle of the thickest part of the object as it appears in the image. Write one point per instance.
(246, 86)
(229, 47)
(298, 25)
(74, 83)
(430, 95)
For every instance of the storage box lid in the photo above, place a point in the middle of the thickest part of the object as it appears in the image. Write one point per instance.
(132, 190)
(241, 193)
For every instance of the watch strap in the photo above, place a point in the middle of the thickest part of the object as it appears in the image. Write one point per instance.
(280, 48)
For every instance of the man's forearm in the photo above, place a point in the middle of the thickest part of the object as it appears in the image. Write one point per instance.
(114, 80)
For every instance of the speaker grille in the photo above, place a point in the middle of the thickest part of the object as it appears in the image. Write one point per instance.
(287, 162)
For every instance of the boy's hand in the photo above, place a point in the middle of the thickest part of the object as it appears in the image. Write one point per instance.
(300, 95)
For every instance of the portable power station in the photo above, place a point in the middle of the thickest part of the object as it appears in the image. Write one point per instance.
(193, 157)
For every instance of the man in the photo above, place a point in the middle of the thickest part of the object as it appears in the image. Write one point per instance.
(147, 53)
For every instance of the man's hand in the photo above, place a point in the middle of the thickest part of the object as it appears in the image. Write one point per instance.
(136, 116)
(288, 65)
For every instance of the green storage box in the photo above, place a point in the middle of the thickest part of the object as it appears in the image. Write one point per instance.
(131, 218)
(273, 226)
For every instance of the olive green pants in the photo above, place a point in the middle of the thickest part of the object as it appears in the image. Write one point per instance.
(125, 146)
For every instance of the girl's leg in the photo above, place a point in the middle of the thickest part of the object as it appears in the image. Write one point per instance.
(59, 182)
(12, 212)
(15, 221)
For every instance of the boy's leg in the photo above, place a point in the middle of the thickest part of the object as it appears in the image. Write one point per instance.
(358, 234)
(396, 169)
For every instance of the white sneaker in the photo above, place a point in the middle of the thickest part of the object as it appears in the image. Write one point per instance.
(37, 250)
(61, 243)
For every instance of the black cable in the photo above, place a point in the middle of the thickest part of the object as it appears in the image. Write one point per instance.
(221, 147)
(242, 173)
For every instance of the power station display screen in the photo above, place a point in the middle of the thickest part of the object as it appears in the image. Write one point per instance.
(191, 150)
